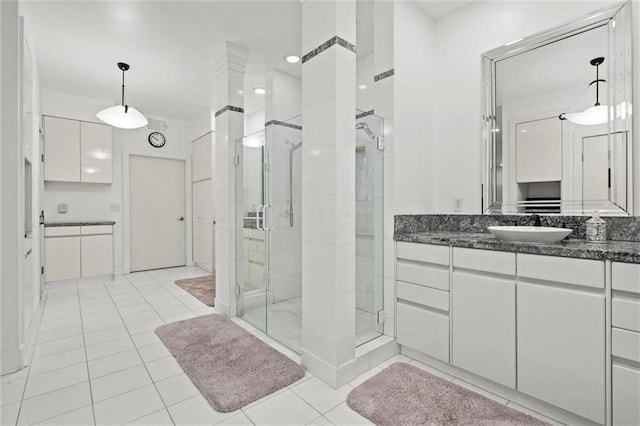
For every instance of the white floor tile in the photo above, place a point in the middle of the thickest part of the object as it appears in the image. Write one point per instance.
(57, 346)
(56, 379)
(343, 415)
(320, 421)
(164, 367)
(140, 316)
(393, 360)
(154, 351)
(365, 376)
(81, 417)
(159, 418)
(56, 361)
(142, 326)
(13, 377)
(117, 383)
(110, 347)
(105, 335)
(196, 411)
(142, 307)
(145, 338)
(175, 389)
(112, 363)
(9, 413)
(12, 391)
(59, 333)
(56, 403)
(480, 391)
(321, 396)
(239, 419)
(270, 412)
(91, 326)
(52, 324)
(128, 406)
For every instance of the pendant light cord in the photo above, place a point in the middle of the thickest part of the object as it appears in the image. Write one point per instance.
(597, 86)
(126, 107)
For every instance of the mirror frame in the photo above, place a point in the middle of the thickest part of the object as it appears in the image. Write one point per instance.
(489, 59)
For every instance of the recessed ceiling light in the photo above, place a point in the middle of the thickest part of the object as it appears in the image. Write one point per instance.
(259, 91)
(292, 59)
(362, 86)
(240, 92)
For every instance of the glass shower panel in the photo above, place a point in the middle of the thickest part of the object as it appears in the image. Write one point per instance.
(251, 253)
(369, 227)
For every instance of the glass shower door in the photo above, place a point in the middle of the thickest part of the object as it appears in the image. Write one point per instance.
(369, 228)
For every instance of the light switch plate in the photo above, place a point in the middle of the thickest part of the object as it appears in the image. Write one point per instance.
(63, 208)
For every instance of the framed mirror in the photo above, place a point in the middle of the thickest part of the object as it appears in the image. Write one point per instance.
(557, 119)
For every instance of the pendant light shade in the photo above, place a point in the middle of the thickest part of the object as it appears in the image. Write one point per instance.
(597, 114)
(122, 116)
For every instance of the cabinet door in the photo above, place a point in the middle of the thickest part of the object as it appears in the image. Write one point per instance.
(561, 348)
(95, 153)
(484, 326)
(62, 149)
(62, 258)
(97, 255)
(423, 330)
(626, 394)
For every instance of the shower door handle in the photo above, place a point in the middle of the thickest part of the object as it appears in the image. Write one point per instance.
(265, 225)
(258, 211)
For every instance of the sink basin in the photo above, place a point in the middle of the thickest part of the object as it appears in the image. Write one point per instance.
(529, 234)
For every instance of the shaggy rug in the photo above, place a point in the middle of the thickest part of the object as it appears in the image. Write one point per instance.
(403, 394)
(203, 288)
(230, 366)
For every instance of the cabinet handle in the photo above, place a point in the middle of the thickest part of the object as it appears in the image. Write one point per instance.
(181, 218)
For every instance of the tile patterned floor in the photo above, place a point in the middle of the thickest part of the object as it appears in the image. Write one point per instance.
(98, 361)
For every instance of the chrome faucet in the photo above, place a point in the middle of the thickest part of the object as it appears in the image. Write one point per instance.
(536, 220)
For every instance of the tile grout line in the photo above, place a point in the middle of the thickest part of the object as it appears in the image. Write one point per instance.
(86, 357)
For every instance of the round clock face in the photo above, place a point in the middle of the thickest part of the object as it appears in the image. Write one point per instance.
(157, 139)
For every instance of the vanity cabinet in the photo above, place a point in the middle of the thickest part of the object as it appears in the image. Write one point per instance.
(73, 252)
(254, 259)
(422, 311)
(625, 343)
(561, 333)
(484, 314)
(77, 151)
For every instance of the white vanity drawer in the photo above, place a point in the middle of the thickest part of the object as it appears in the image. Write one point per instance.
(497, 262)
(626, 394)
(61, 231)
(434, 276)
(582, 272)
(625, 277)
(96, 230)
(626, 344)
(626, 314)
(428, 253)
(423, 330)
(437, 299)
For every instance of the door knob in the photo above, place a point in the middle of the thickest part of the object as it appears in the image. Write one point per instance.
(181, 218)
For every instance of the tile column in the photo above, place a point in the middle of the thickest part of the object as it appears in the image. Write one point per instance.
(384, 71)
(229, 123)
(328, 188)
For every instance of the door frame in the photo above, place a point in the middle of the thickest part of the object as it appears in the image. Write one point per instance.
(126, 208)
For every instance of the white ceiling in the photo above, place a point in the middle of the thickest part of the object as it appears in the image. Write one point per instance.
(171, 47)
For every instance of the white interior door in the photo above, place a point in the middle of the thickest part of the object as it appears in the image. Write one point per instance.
(156, 212)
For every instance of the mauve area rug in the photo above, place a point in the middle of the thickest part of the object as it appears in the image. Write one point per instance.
(203, 288)
(230, 366)
(402, 394)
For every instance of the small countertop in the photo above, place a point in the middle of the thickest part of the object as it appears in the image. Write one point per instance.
(84, 223)
(618, 251)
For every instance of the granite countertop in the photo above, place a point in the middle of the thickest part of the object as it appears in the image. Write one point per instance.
(618, 251)
(83, 223)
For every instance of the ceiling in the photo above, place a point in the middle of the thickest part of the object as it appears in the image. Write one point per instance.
(171, 47)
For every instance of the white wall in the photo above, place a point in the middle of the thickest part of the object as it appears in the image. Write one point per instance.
(414, 109)
(93, 201)
(461, 38)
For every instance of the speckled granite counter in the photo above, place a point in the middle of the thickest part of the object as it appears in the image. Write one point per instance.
(619, 251)
(470, 231)
(85, 223)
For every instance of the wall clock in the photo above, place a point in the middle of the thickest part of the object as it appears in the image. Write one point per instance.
(157, 139)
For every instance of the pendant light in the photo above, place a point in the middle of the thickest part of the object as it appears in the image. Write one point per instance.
(122, 116)
(596, 114)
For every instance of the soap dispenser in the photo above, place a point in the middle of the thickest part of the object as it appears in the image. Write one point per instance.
(596, 229)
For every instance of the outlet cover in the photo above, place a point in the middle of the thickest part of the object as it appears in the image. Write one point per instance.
(63, 208)
(457, 204)
(115, 207)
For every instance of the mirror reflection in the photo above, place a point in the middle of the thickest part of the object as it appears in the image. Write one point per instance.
(558, 120)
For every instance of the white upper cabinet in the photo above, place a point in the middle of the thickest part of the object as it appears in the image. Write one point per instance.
(77, 151)
(95, 153)
(62, 149)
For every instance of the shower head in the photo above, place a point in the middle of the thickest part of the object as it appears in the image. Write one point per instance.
(363, 126)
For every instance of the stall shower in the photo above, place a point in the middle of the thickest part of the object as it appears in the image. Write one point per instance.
(269, 266)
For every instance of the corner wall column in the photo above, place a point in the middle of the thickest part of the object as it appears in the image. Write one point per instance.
(328, 188)
(229, 125)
